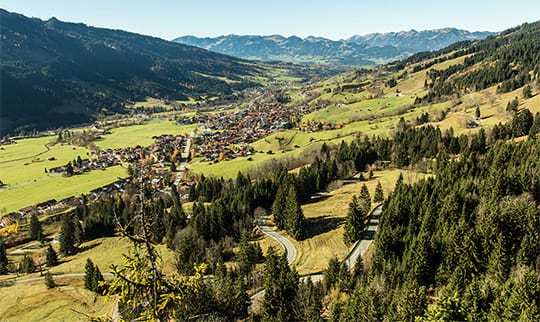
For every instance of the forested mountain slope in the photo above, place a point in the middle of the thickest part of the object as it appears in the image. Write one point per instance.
(56, 73)
(509, 60)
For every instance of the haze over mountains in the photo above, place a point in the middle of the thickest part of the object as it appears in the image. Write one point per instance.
(357, 50)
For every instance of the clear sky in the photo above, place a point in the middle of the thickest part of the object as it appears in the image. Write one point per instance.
(334, 19)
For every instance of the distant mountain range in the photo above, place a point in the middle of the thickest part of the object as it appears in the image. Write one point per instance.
(56, 73)
(365, 50)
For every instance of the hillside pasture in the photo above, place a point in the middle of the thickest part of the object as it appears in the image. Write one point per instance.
(58, 187)
(134, 135)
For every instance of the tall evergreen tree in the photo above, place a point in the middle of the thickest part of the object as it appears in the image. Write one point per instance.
(88, 274)
(364, 201)
(27, 265)
(354, 223)
(175, 219)
(279, 206)
(281, 286)
(379, 193)
(51, 257)
(36, 232)
(97, 278)
(67, 236)
(294, 216)
(245, 256)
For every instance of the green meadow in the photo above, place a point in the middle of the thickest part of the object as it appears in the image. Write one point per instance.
(57, 187)
(127, 136)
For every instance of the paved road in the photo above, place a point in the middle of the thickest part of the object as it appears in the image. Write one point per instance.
(14, 280)
(367, 238)
(286, 244)
(359, 249)
(184, 155)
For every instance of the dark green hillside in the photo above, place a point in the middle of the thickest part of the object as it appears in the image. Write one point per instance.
(510, 61)
(56, 73)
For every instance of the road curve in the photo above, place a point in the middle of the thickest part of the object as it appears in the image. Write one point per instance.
(358, 250)
(285, 243)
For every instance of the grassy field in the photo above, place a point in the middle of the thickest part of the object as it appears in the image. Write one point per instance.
(341, 114)
(326, 217)
(69, 301)
(31, 301)
(26, 160)
(58, 187)
(141, 134)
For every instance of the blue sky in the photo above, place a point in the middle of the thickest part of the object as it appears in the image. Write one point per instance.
(335, 19)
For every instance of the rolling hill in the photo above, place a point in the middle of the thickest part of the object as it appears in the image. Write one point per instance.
(365, 50)
(56, 73)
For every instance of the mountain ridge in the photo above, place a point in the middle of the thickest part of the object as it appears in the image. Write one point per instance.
(371, 49)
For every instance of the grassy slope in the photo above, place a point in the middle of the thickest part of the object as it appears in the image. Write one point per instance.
(31, 301)
(27, 159)
(314, 253)
(141, 134)
(58, 187)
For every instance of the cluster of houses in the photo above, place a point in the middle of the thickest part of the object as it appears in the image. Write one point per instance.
(164, 148)
(229, 135)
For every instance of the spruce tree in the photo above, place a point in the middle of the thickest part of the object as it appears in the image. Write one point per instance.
(294, 216)
(281, 286)
(364, 201)
(175, 219)
(27, 265)
(279, 206)
(51, 257)
(96, 279)
(354, 223)
(67, 236)
(88, 274)
(245, 256)
(36, 232)
(379, 193)
(49, 281)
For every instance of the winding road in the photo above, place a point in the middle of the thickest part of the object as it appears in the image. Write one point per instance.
(358, 250)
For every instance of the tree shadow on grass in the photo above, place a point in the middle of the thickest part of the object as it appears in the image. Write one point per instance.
(320, 225)
(81, 249)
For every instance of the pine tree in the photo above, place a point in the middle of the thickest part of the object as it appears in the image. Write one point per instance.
(245, 258)
(294, 216)
(49, 281)
(3, 258)
(280, 206)
(364, 201)
(527, 91)
(281, 286)
(96, 279)
(67, 236)
(354, 223)
(51, 257)
(27, 265)
(477, 112)
(36, 232)
(175, 219)
(88, 274)
(379, 193)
